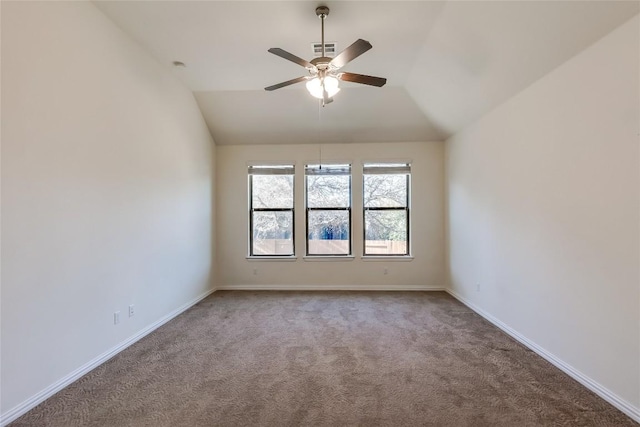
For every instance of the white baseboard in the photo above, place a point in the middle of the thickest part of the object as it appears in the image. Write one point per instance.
(630, 410)
(301, 287)
(43, 395)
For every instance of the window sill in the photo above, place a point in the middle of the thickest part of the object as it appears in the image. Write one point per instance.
(373, 258)
(324, 258)
(272, 258)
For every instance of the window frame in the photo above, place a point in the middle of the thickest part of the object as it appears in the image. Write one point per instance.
(273, 170)
(387, 168)
(348, 209)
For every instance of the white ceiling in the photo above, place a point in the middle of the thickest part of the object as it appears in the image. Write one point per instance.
(447, 63)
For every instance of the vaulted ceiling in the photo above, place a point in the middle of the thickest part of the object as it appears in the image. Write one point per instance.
(447, 62)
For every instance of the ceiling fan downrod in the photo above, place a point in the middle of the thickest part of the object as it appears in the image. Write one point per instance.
(322, 12)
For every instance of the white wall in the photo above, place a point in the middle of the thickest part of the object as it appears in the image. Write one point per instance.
(544, 215)
(106, 193)
(426, 270)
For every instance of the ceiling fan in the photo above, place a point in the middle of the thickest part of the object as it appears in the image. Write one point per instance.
(322, 81)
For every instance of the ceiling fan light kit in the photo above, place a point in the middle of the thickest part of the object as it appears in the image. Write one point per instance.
(317, 87)
(323, 79)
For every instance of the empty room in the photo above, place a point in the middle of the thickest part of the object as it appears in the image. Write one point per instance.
(297, 213)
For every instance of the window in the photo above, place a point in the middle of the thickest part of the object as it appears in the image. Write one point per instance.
(328, 200)
(386, 208)
(271, 210)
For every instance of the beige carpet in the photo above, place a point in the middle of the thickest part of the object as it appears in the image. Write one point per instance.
(326, 359)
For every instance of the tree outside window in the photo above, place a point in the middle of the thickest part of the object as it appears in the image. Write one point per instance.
(271, 210)
(328, 201)
(386, 208)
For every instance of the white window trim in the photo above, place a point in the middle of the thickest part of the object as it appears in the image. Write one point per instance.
(385, 258)
(329, 258)
(286, 258)
(325, 257)
(251, 210)
(408, 256)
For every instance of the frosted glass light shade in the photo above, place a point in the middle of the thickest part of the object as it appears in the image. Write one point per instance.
(314, 86)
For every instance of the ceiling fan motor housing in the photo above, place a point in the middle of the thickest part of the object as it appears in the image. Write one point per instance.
(322, 62)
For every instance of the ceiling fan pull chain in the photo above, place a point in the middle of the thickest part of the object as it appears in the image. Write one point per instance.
(320, 103)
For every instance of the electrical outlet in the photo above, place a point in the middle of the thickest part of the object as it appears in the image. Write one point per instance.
(385, 271)
(255, 271)
(116, 317)
(132, 311)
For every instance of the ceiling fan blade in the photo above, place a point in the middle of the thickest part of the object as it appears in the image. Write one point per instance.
(349, 54)
(291, 57)
(361, 78)
(287, 83)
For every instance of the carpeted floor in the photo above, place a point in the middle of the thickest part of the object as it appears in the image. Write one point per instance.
(326, 359)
